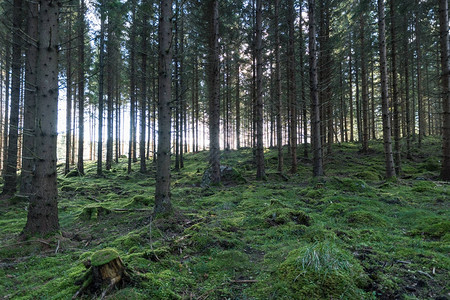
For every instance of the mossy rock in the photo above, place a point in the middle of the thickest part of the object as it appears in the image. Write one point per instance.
(349, 184)
(279, 216)
(228, 175)
(104, 256)
(93, 212)
(130, 240)
(362, 217)
(156, 254)
(71, 187)
(320, 271)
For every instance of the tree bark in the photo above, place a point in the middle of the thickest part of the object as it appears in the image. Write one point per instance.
(214, 90)
(364, 87)
(81, 82)
(260, 167)
(100, 89)
(389, 159)
(10, 185)
(163, 204)
(292, 89)
(143, 104)
(26, 185)
(314, 94)
(42, 216)
(278, 87)
(445, 81)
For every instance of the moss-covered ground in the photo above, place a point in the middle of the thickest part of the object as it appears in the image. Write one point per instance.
(348, 235)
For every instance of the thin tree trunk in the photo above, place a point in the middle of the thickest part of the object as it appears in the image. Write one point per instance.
(111, 53)
(214, 90)
(260, 167)
(397, 152)
(10, 185)
(68, 97)
(389, 159)
(100, 89)
(143, 166)
(163, 204)
(278, 87)
(364, 88)
(350, 83)
(315, 110)
(81, 81)
(419, 77)
(26, 186)
(131, 148)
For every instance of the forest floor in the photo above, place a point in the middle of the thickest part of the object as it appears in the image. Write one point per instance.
(348, 235)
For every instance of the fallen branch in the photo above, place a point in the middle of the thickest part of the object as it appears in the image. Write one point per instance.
(425, 273)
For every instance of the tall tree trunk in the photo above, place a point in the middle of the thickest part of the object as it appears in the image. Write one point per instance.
(364, 87)
(100, 89)
(278, 87)
(292, 87)
(145, 33)
(445, 80)
(131, 148)
(111, 76)
(406, 77)
(397, 152)
(68, 95)
(315, 110)
(163, 204)
(10, 185)
(81, 82)
(42, 216)
(389, 159)
(238, 107)
(7, 98)
(26, 185)
(420, 111)
(214, 90)
(260, 167)
(350, 84)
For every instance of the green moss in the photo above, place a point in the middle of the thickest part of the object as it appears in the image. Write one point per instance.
(368, 175)
(279, 216)
(423, 186)
(365, 218)
(93, 212)
(16, 199)
(434, 228)
(141, 200)
(319, 271)
(127, 293)
(104, 256)
(336, 209)
(431, 164)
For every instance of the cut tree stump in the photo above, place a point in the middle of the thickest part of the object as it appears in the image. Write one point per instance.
(105, 271)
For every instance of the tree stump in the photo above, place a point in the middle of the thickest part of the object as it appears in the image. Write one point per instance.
(106, 270)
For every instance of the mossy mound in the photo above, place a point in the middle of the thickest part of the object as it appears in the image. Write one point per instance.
(368, 175)
(93, 212)
(431, 164)
(280, 216)
(141, 200)
(320, 271)
(348, 184)
(73, 173)
(127, 293)
(104, 256)
(433, 228)
(423, 186)
(362, 217)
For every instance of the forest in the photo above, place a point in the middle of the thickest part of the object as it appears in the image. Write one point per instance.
(249, 149)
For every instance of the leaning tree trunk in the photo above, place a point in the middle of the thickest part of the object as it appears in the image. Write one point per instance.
(315, 109)
(162, 192)
(389, 158)
(445, 78)
(42, 216)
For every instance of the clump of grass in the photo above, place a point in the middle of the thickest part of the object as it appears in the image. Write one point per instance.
(320, 271)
